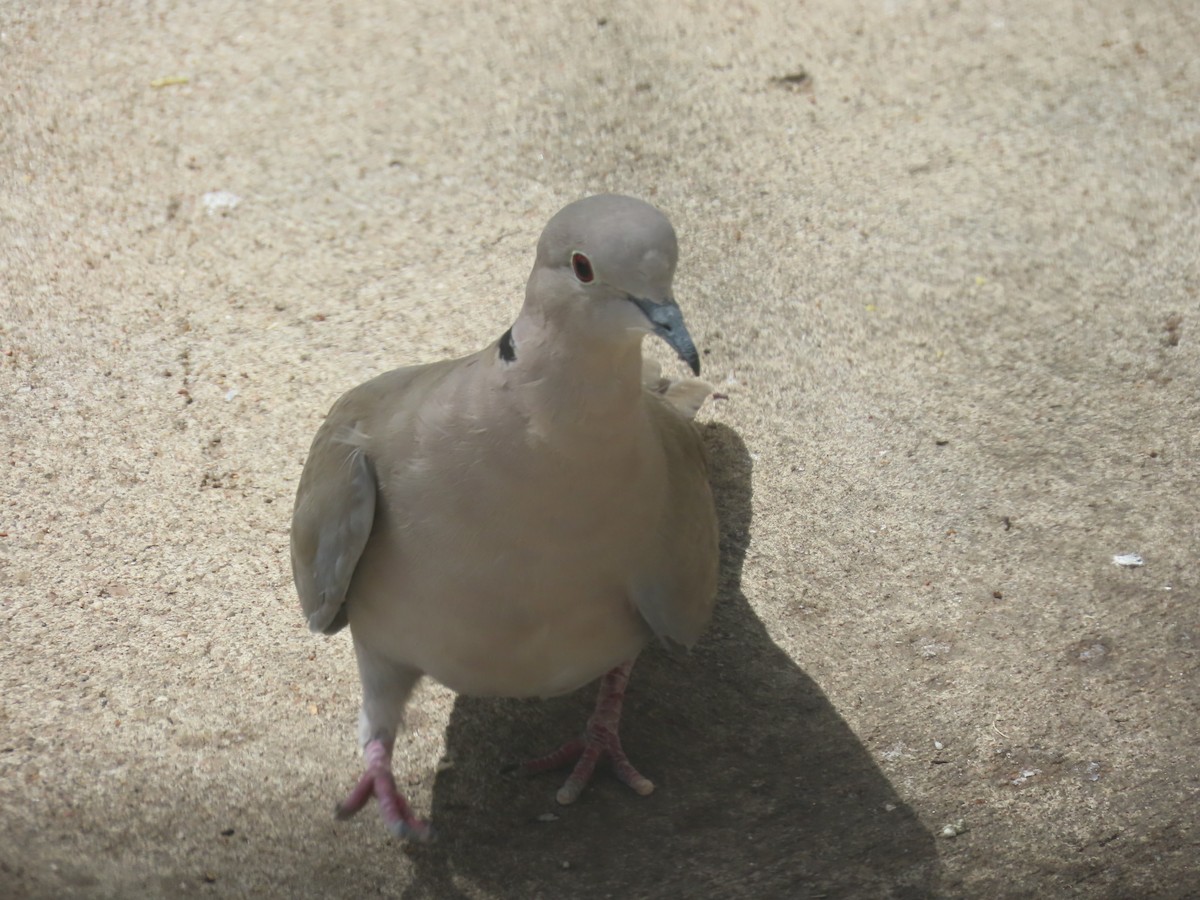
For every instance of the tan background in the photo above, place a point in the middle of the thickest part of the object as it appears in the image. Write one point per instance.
(948, 278)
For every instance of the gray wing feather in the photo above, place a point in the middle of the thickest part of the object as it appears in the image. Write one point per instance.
(676, 596)
(336, 499)
(335, 511)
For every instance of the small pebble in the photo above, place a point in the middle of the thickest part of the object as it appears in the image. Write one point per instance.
(220, 201)
(954, 829)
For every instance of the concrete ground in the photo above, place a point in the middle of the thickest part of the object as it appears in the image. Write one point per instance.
(944, 259)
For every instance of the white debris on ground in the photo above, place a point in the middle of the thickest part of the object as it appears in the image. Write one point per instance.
(220, 201)
(1128, 560)
(934, 648)
(954, 829)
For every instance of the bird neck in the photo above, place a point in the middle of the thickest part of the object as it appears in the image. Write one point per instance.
(589, 382)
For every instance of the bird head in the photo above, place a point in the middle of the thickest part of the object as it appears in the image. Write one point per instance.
(605, 265)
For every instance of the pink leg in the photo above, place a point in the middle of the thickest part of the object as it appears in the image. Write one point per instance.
(378, 782)
(600, 738)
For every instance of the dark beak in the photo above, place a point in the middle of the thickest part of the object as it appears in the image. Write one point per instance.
(668, 325)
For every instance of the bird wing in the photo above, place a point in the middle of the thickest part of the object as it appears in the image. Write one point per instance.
(336, 498)
(676, 596)
(332, 519)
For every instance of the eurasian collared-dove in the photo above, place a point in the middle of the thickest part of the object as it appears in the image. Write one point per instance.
(519, 521)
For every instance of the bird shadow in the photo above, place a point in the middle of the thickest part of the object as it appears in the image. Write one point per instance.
(762, 788)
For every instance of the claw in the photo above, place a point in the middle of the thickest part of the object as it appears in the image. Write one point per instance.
(601, 738)
(378, 782)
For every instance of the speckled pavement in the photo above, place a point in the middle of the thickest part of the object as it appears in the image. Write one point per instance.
(942, 258)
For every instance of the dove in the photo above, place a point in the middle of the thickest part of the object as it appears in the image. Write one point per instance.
(524, 520)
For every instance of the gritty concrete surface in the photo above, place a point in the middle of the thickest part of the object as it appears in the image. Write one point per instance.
(941, 256)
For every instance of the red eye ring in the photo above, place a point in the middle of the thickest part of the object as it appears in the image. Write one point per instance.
(582, 267)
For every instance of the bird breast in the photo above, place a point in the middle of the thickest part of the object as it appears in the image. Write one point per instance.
(504, 561)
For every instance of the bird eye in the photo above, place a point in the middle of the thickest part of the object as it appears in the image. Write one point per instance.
(582, 267)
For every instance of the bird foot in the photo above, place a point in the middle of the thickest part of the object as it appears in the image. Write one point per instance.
(378, 782)
(601, 738)
(585, 753)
